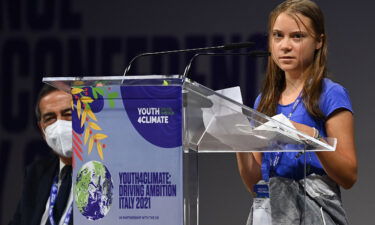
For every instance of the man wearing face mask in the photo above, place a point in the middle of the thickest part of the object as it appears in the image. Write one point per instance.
(47, 190)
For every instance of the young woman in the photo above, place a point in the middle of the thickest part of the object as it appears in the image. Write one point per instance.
(296, 86)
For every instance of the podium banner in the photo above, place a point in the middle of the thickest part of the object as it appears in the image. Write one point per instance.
(128, 157)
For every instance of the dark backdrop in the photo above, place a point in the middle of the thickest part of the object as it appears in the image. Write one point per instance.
(82, 38)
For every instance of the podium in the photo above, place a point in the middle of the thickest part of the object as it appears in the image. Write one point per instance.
(137, 139)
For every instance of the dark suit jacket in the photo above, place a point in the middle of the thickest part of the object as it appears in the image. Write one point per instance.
(36, 190)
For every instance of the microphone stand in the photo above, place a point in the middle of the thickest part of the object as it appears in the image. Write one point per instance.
(221, 47)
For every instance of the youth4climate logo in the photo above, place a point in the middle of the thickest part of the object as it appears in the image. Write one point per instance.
(154, 115)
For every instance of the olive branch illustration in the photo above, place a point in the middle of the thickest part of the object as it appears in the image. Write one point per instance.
(92, 134)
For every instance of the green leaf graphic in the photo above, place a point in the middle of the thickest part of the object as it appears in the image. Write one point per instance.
(99, 90)
(111, 103)
(94, 93)
(112, 95)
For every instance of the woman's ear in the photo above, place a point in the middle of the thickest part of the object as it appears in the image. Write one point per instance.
(319, 42)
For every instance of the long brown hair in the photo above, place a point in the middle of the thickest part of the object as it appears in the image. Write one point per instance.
(275, 82)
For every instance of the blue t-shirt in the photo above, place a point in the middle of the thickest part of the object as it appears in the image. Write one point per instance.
(333, 97)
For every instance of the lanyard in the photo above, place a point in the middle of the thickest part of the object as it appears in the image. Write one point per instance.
(295, 105)
(52, 197)
(275, 161)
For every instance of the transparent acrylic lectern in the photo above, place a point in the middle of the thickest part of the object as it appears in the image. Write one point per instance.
(208, 123)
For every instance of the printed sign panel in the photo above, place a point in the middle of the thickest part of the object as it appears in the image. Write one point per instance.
(127, 143)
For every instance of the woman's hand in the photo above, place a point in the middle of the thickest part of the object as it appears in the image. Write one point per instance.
(304, 128)
(340, 165)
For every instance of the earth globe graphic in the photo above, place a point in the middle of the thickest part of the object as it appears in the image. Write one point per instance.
(93, 190)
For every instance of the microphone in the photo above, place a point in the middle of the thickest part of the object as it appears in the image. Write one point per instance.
(253, 53)
(226, 47)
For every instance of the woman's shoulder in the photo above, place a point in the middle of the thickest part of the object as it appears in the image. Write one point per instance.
(331, 87)
(333, 97)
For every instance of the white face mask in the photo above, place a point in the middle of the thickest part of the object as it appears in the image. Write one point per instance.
(59, 137)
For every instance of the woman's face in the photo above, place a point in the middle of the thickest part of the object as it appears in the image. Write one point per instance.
(292, 46)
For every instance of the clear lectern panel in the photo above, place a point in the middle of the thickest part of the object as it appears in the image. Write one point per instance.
(215, 123)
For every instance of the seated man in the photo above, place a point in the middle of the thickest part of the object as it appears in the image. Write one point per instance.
(47, 190)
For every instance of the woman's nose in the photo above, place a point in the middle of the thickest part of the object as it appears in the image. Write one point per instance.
(286, 45)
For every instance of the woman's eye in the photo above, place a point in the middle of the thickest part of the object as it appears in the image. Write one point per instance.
(298, 36)
(276, 35)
